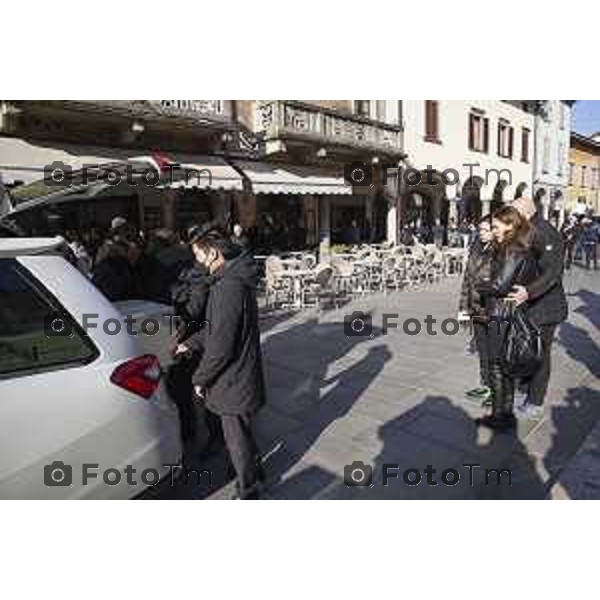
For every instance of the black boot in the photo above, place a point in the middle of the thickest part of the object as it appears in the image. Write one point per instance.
(502, 417)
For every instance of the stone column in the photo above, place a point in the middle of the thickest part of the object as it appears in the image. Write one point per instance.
(485, 207)
(324, 228)
(392, 221)
(168, 209)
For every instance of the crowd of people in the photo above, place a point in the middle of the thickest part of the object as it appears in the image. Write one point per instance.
(581, 237)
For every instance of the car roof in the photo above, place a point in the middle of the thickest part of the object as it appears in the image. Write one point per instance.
(28, 246)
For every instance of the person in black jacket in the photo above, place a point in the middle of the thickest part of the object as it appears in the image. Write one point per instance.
(229, 378)
(113, 274)
(512, 264)
(189, 299)
(545, 298)
(471, 303)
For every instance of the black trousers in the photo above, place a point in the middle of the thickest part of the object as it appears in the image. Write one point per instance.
(243, 452)
(569, 248)
(198, 425)
(482, 350)
(590, 253)
(537, 386)
(491, 335)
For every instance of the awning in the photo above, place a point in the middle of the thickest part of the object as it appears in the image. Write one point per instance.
(204, 172)
(24, 161)
(279, 179)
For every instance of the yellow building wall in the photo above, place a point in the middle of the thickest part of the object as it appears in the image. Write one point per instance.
(580, 157)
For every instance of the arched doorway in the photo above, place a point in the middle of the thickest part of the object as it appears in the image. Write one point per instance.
(425, 204)
(520, 190)
(498, 195)
(470, 209)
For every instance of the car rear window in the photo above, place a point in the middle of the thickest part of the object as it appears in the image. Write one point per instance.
(36, 333)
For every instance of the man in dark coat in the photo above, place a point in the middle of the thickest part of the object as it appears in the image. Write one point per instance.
(545, 297)
(229, 377)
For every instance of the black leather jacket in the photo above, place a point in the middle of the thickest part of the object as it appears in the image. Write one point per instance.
(477, 271)
(515, 267)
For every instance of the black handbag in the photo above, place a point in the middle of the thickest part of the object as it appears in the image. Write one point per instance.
(522, 350)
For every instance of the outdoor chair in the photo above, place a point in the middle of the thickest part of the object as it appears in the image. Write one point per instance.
(322, 286)
(278, 290)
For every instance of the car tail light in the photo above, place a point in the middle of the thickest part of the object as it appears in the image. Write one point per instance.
(140, 375)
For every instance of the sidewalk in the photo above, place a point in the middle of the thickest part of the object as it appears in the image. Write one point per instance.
(399, 399)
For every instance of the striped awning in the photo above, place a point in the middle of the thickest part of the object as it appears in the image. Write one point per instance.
(291, 179)
(203, 172)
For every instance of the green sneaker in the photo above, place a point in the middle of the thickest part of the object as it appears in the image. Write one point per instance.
(480, 393)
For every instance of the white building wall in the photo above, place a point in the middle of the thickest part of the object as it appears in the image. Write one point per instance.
(551, 167)
(453, 149)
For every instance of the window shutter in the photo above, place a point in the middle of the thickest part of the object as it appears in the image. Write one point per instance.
(434, 119)
(471, 133)
(486, 135)
(511, 140)
(499, 139)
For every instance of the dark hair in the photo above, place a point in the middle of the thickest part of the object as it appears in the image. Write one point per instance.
(485, 219)
(214, 236)
(519, 237)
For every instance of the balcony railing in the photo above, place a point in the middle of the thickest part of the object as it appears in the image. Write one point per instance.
(280, 119)
(191, 111)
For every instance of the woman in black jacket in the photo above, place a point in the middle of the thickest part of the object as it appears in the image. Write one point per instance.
(512, 264)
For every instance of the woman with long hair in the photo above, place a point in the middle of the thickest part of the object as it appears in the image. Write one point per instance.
(512, 264)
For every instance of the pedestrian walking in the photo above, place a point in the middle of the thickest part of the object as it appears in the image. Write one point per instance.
(569, 234)
(512, 265)
(545, 299)
(229, 378)
(471, 308)
(589, 242)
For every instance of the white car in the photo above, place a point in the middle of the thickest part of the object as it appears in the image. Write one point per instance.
(82, 414)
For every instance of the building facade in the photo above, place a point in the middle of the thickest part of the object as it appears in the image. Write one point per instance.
(551, 156)
(276, 164)
(299, 181)
(584, 174)
(194, 133)
(481, 152)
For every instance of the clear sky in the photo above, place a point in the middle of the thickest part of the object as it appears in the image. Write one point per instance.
(587, 116)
